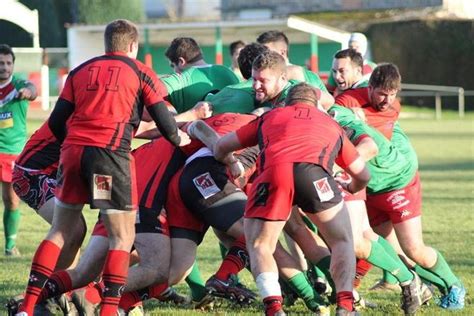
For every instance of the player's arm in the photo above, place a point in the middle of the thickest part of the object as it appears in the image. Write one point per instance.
(245, 136)
(167, 125)
(366, 147)
(360, 175)
(326, 100)
(148, 130)
(200, 130)
(28, 92)
(354, 165)
(57, 120)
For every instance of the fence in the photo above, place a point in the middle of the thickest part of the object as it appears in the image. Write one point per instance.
(420, 90)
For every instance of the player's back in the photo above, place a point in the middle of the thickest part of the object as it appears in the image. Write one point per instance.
(195, 83)
(299, 133)
(236, 98)
(108, 94)
(221, 123)
(41, 151)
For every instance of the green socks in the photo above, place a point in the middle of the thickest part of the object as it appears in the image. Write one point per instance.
(196, 283)
(427, 275)
(300, 284)
(442, 269)
(324, 265)
(11, 221)
(380, 258)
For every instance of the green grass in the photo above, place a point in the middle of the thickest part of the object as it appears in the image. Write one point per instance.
(446, 155)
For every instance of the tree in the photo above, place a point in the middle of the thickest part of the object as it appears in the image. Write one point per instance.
(104, 11)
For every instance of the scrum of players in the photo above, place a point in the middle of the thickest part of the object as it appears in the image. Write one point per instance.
(273, 153)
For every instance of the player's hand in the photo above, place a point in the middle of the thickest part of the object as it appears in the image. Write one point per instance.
(184, 138)
(359, 113)
(202, 110)
(236, 169)
(25, 94)
(343, 179)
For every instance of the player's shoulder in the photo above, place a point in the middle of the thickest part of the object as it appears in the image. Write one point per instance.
(349, 97)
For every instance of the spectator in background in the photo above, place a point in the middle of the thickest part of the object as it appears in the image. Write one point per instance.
(14, 96)
(234, 50)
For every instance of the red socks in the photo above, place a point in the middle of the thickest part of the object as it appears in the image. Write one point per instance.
(114, 276)
(42, 267)
(235, 260)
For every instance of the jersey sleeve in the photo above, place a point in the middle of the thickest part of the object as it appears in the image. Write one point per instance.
(248, 134)
(347, 154)
(153, 89)
(67, 92)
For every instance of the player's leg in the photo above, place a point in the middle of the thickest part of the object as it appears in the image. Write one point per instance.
(47, 254)
(11, 218)
(262, 237)
(154, 251)
(410, 236)
(183, 254)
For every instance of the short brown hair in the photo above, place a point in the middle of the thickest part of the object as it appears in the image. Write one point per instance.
(269, 60)
(184, 47)
(302, 93)
(119, 34)
(386, 76)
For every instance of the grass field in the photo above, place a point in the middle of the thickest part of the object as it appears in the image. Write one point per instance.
(446, 155)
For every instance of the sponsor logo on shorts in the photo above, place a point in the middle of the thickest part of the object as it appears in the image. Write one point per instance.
(405, 213)
(398, 200)
(206, 185)
(261, 196)
(324, 190)
(102, 187)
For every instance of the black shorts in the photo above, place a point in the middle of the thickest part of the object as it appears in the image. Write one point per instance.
(315, 189)
(101, 177)
(208, 193)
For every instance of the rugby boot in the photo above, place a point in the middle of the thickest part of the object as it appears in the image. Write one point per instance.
(230, 289)
(411, 296)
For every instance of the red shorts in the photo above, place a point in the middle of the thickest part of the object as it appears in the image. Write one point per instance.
(182, 223)
(99, 229)
(7, 161)
(279, 187)
(396, 206)
(101, 177)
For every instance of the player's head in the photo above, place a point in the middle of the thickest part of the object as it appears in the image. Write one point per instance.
(7, 61)
(276, 41)
(269, 75)
(247, 56)
(182, 52)
(347, 68)
(121, 36)
(302, 93)
(384, 84)
(234, 50)
(358, 41)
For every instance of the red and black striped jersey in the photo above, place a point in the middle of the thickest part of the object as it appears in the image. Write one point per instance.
(41, 151)
(298, 133)
(222, 123)
(108, 94)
